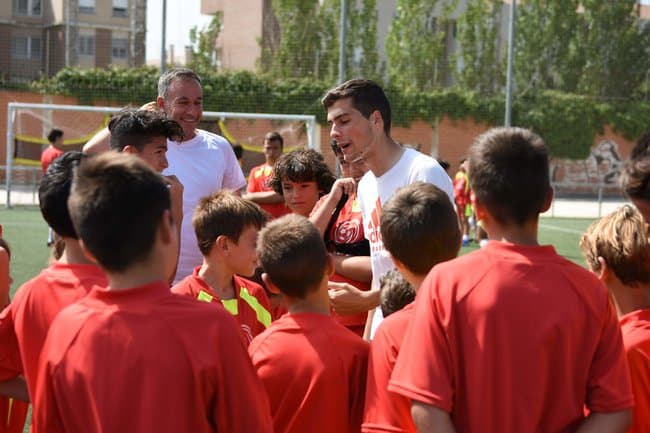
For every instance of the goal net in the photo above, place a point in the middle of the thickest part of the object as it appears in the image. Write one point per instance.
(29, 124)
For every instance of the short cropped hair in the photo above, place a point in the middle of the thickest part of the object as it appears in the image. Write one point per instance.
(635, 178)
(302, 165)
(274, 136)
(224, 214)
(138, 127)
(166, 79)
(54, 190)
(54, 135)
(622, 239)
(117, 203)
(396, 293)
(419, 227)
(509, 174)
(366, 96)
(293, 255)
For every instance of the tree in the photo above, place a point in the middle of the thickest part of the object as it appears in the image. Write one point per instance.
(480, 41)
(306, 40)
(204, 44)
(415, 45)
(547, 49)
(616, 48)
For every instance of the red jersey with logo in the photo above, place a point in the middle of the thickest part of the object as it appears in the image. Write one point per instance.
(250, 306)
(314, 372)
(145, 360)
(347, 230)
(258, 181)
(513, 339)
(635, 327)
(386, 411)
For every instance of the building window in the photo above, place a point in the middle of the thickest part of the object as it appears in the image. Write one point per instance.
(87, 6)
(120, 48)
(86, 45)
(25, 47)
(120, 8)
(27, 7)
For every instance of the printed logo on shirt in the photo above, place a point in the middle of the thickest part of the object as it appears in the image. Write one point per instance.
(373, 225)
(348, 232)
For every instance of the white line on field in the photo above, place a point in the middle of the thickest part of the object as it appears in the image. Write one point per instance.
(560, 229)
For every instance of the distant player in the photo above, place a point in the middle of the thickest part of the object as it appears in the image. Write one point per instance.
(313, 369)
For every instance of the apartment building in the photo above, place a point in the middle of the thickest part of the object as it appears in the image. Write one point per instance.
(40, 37)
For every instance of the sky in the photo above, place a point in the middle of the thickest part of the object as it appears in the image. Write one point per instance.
(182, 15)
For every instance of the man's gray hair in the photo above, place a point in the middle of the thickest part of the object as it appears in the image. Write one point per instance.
(172, 75)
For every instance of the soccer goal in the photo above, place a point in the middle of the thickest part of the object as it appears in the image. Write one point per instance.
(28, 124)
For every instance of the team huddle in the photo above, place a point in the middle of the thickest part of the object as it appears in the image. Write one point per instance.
(316, 304)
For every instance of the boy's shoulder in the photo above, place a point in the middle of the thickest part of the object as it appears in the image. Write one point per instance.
(635, 328)
(392, 329)
(251, 287)
(318, 329)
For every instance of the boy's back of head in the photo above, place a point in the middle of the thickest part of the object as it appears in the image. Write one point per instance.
(116, 204)
(137, 128)
(509, 174)
(419, 227)
(622, 239)
(54, 190)
(293, 255)
(396, 292)
(225, 214)
(54, 135)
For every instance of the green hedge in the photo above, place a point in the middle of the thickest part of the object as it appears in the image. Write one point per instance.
(567, 122)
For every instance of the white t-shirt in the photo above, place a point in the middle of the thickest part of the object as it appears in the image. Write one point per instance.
(204, 164)
(373, 192)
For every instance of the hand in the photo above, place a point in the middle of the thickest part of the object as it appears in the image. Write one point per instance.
(347, 299)
(346, 185)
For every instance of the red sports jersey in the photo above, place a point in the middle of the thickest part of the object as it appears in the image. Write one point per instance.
(258, 181)
(386, 411)
(145, 360)
(250, 307)
(314, 372)
(49, 154)
(348, 230)
(635, 327)
(25, 322)
(513, 339)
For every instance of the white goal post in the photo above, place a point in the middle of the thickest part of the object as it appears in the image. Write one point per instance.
(13, 107)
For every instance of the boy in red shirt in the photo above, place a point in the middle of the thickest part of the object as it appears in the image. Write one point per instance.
(226, 227)
(513, 338)
(133, 356)
(25, 322)
(419, 228)
(313, 369)
(258, 189)
(617, 249)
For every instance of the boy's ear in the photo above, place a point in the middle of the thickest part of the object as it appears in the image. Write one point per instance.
(269, 284)
(222, 242)
(130, 149)
(548, 201)
(605, 272)
(86, 252)
(166, 227)
(160, 102)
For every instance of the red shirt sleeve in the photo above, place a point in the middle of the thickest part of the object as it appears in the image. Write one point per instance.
(10, 362)
(609, 386)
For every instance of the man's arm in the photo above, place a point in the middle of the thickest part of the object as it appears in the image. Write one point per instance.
(610, 422)
(356, 268)
(99, 143)
(264, 197)
(430, 419)
(347, 299)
